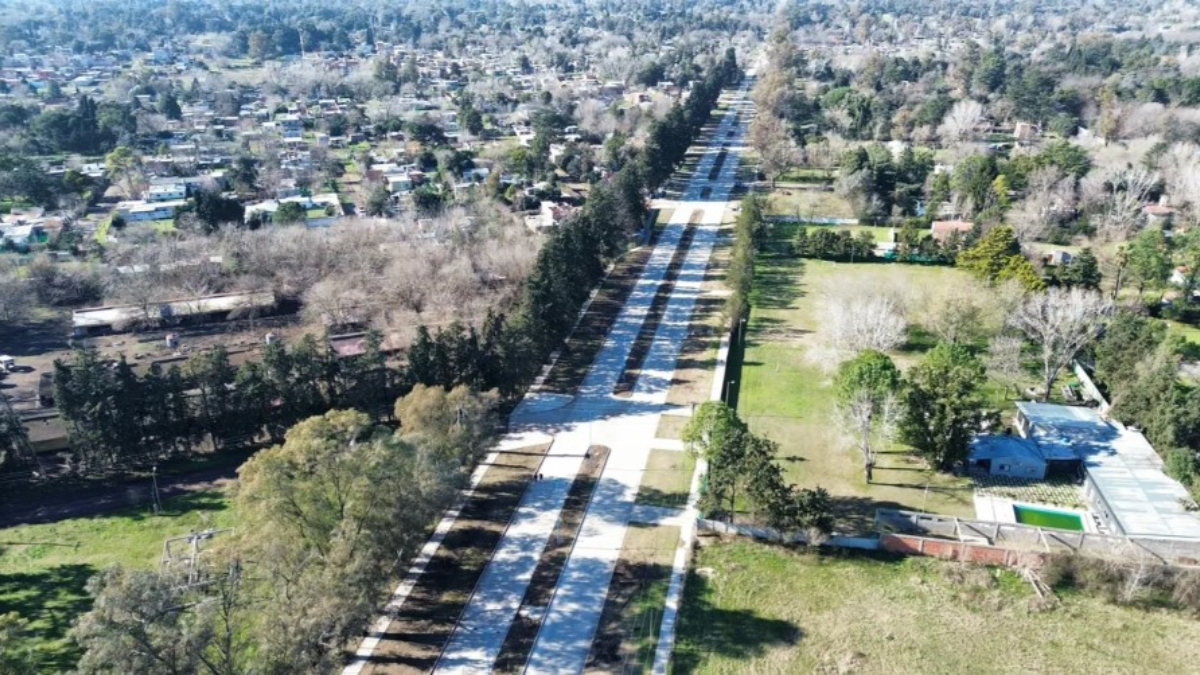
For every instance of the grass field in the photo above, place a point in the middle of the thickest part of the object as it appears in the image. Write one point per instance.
(44, 568)
(753, 608)
(808, 204)
(807, 175)
(784, 394)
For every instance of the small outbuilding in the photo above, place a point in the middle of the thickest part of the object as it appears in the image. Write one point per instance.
(1008, 455)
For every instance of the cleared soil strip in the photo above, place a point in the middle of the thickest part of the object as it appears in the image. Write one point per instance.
(580, 351)
(645, 337)
(717, 164)
(628, 632)
(524, 628)
(417, 635)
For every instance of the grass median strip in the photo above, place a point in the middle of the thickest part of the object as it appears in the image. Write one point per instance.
(417, 635)
(668, 478)
(523, 631)
(628, 632)
(658, 307)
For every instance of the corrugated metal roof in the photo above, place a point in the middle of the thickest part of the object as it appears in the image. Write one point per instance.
(1122, 465)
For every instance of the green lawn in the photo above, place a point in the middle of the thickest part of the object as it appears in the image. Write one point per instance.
(784, 394)
(1189, 333)
(880, 234)
(808, 175)
(44, 568)
(754, 608)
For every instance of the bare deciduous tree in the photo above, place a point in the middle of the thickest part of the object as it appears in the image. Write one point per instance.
(15, 295)
(777, 150)
(1003, 361)
(1060, 322)
(1049, 198)
(955, 317)
(1122, 195)
(959, 124)
(1180, 166)
(869, 420)
(854, 319)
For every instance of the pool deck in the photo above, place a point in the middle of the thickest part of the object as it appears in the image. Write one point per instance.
(1000, 510)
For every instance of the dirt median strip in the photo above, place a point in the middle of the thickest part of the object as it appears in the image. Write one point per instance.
(658, 307)
(416, 636)
(581, 350)
(628, 632)
(523, 631)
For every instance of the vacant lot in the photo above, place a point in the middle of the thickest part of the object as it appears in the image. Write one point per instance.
(787, 395)
(44, 568)
(752, 608)
(808, 204)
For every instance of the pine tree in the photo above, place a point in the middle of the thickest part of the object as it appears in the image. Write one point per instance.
(214, 377)
(1083, 271)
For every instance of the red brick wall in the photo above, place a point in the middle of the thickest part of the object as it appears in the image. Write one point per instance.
(953, 550)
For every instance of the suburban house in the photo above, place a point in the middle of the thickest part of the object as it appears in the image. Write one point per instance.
(136, 211)
(942, 229)
(550, 215)
(1025, 132)
(167, 192)
(1159, 214)
(1124, 484)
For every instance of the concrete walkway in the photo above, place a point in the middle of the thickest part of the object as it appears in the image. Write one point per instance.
(566, 634)
(627, 426)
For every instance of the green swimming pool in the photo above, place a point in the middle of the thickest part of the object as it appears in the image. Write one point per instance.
(1059, 520)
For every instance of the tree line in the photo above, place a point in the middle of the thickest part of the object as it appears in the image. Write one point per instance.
(749, 234)
(1137, 363)
(326, 519)
(670, 137)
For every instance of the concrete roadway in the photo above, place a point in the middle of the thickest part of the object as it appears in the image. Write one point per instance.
(595, 417)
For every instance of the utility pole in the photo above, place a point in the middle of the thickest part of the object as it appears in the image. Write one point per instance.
(157, 506)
